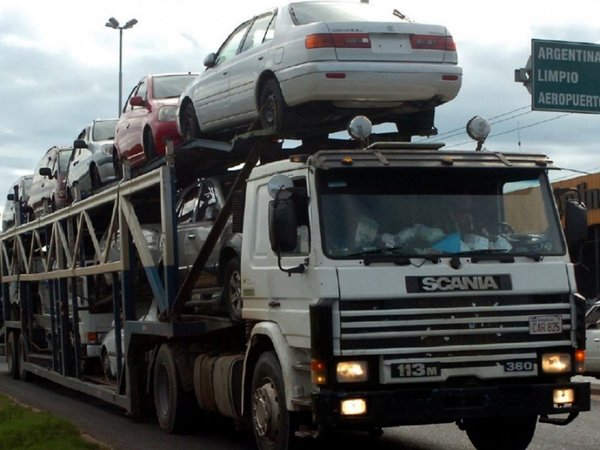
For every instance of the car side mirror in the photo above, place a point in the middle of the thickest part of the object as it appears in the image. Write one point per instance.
(10, 197)
(79, 143)
(46, 172)
(210, 60)
(137, 101)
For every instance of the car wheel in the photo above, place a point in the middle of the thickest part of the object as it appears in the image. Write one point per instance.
(117, 165)
(190, 129)
(149, 147)
(273, 111)
(105, 360)
(75, 192)
(95, 180)
(232, 289)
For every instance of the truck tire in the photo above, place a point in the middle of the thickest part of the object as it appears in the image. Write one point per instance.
(272, 108)
(24, 375)
(168, 394)
(232, 289)
(12, 360)
(501, 433)
(270, 418)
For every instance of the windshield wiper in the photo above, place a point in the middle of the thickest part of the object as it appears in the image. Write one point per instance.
(495, 254)
(378, 255)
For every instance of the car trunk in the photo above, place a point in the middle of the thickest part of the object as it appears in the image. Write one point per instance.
(390, 41)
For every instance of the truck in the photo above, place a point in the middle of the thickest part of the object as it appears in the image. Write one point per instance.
(365, 304)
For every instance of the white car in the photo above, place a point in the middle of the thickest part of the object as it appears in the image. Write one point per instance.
(592, 353)
(306, 68)
(91, 164)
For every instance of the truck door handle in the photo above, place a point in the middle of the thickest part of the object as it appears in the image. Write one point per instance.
(191, 236)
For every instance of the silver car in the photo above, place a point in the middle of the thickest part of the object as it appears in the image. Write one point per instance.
(306, 68)
(18, 193)
(592, 354)
(91, 165)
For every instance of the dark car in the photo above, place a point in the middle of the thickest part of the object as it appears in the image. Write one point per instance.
(17, 195)
(149, 119)
(48, 191)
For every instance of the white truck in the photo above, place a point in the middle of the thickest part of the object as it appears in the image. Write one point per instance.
(367, 301)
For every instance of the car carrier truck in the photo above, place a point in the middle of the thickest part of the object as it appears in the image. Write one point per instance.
(367, 301)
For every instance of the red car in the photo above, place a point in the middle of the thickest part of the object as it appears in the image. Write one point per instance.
(149, 119)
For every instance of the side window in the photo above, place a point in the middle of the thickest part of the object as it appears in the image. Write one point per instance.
(230, 48)
(257, 33)
(127, 106)
(207, 203)
(185, 213)
(303, 230)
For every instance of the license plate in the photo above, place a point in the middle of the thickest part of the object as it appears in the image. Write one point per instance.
(545, 324)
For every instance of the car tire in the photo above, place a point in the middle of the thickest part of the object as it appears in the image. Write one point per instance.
(117, 164)
(188, 123)
(105, 362)
(273, 111)
(231, 296)
(95, 180)
(149, 147)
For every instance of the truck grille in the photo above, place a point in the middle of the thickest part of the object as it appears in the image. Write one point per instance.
(452, 331)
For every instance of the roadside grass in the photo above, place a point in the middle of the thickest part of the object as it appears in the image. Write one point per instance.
(24, 429)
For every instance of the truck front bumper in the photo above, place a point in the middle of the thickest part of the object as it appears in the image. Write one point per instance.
(428, 405)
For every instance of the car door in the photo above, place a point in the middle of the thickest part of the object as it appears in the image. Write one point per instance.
(192, 233)
(130, 125)
(247, 66)
(211, 95)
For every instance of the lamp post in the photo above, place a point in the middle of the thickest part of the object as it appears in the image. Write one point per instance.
(114, 23)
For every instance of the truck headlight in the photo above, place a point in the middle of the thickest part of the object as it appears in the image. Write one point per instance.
(351, 371)
(556, 362)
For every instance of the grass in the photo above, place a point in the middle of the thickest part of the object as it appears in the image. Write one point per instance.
(24, 429)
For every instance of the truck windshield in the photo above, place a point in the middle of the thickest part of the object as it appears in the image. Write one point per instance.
(437, 212)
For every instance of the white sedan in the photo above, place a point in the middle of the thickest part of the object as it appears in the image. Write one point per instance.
(306, 68)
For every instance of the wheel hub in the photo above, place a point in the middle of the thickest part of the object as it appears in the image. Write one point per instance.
(266, 410)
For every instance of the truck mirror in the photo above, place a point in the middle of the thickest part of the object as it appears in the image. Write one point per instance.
(282, 225)
(575, 222)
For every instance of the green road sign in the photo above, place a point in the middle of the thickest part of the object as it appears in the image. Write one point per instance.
(565, 76)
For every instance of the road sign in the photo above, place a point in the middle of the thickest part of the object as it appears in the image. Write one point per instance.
(565, 76)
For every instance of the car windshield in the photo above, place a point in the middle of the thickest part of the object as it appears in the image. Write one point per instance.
(171, 85)
(310, 12)
(104, 130)
(437, 212)
(63, 159)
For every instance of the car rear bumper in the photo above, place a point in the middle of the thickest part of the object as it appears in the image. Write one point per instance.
(439, 405)
(370, 84)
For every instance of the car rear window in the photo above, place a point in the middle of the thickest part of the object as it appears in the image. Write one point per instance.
(171, 86)
(304, 13)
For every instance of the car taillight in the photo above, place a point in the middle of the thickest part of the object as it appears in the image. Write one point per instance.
(338, 40)
(431, 42)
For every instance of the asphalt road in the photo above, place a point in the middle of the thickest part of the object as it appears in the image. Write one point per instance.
(109, 425)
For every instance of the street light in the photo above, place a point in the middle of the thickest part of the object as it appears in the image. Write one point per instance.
(114, 23)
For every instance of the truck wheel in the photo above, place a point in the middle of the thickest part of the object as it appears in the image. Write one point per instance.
(270, 417)
(272, 107)
(22, 353)
(232, 289)
(501, 433)
(190, 129)
(168, 394)
(11, 356)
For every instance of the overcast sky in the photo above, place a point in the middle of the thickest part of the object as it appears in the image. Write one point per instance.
(59, 68)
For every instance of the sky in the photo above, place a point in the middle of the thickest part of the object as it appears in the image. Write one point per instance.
(59, 68)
